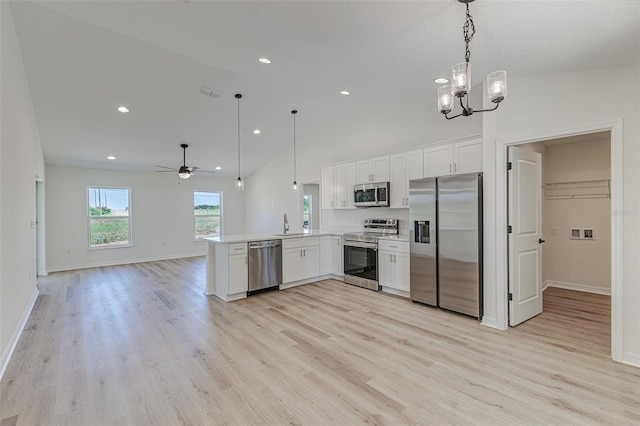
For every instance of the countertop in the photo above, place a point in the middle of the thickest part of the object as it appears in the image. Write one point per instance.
(243, 238)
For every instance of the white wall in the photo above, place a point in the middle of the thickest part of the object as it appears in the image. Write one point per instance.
(21, 162)
(269, 196)
(162, 216)
(556, 104)
(579, 264)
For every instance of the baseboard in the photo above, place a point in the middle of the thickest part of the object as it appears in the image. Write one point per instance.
(122, 262)
(395, 291)
(632, 359)
(489, 322)
(576, 287)
(13, 342)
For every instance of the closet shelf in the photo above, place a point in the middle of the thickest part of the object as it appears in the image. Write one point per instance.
(599, 188)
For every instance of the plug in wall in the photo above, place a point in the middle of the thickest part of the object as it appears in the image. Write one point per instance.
(575, 234)
(587, 234)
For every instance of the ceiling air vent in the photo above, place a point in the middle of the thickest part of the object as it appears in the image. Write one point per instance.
(210, 92)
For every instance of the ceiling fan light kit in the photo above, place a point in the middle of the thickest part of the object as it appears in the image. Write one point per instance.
(460, 86)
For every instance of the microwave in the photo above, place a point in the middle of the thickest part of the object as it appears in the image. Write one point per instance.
(371, 195)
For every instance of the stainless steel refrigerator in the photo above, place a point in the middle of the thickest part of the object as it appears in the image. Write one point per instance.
(446, 242)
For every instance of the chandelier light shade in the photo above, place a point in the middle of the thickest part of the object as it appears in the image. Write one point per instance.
(295, 182)
(239, 182)
(461, 80)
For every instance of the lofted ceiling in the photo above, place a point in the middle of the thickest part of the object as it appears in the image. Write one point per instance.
(84, 58)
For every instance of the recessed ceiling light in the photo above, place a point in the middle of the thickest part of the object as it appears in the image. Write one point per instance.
(345, 92)
(111, 157)
(123, 109)
(218, 168)
(264, 60)
(440, 80)
(257, 132)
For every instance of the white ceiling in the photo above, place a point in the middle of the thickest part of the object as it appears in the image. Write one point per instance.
(84, 58)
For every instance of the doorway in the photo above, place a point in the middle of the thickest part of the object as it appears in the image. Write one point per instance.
(575, 207)
(614, 130)
(310, 208)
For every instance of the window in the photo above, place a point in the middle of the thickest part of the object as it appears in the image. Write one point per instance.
(207, 210)
(109, 217)
(306, 212)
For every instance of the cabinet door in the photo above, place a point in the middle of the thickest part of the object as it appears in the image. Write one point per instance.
(338, 182)
(349, 183)
(380, 169)
(468, 156)
(401, 271)
(325, 255)
(438, 161)
(291, 265)
(398, 182)
(327, 184)
(384, 268)
(336, 256)
(364, 173)
(414, 165)
(310, 262)
(238, 274)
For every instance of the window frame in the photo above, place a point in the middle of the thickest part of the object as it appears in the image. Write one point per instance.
(90, 218)
(209, 191)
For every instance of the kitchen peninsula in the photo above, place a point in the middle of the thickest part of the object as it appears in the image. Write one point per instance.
(306, 257)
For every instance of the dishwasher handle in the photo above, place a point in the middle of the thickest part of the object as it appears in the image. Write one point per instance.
(264, 244)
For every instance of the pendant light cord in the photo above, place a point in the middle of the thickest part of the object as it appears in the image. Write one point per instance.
(294, 112)
(238, 96)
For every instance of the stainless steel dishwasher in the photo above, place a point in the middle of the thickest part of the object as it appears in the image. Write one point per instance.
(265, 266)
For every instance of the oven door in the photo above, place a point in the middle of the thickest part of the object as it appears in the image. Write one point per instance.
(361, 264)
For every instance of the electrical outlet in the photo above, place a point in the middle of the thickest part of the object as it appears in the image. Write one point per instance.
(164, 243)
(68, 251)
(588, 234)
(575, 234)
(554, 230)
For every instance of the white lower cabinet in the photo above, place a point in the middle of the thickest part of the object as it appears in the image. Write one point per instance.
(300, 259)
(393, 265)
(238, 273)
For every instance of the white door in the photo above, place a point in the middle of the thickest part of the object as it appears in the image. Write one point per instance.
(525, 239)
(238, 274)
(398, 183)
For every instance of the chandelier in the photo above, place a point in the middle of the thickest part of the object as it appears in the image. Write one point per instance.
(461, 80)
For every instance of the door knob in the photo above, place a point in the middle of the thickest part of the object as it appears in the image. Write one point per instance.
(540, 241)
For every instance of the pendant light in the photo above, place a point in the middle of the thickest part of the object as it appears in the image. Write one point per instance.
(295, 183)
(461, 80)
(239, 182)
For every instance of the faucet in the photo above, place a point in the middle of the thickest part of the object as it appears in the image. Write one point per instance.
(286, 223)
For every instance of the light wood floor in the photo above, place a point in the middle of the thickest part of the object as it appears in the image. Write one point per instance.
(141, 344)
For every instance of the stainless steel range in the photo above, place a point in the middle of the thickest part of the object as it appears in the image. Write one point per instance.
(361, 252)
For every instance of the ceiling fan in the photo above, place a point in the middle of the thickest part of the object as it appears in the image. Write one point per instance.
(184, 172)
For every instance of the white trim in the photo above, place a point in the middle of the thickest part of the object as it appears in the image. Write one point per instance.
(122, 262)
(617, 225)
(489, 322)
(13, 341)
(395, 292)
(305, 281)
(576, 287)
(632, 359)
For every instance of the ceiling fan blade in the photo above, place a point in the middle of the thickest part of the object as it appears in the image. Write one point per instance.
(170, 168)
(193, 169)
(206, 171)
(165, 171)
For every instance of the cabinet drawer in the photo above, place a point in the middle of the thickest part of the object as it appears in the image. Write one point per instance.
(291, 243)
(237, 248)
(393, 246)
(310, 241)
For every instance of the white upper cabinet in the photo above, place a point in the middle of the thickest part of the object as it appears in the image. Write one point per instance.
(455, 158)
(344, 179)
(327, 184)
(403, 168)
(467, 156)
(373, 170)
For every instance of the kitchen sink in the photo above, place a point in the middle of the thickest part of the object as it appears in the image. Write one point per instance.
(291, 234)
